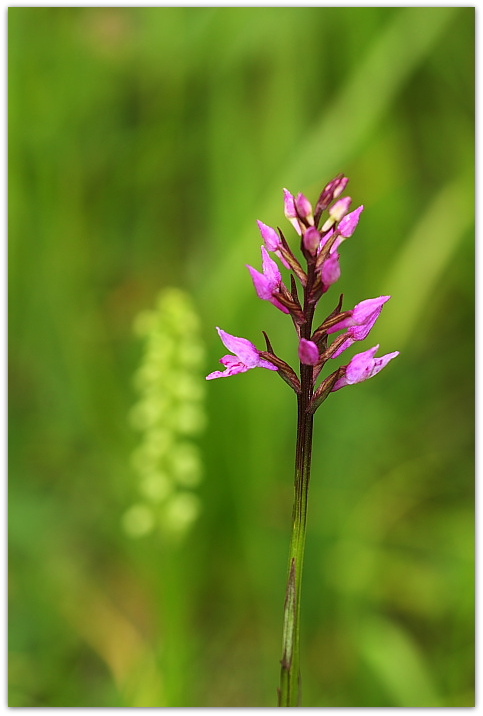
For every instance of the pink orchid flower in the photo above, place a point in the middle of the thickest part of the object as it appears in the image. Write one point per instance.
(363, 366)
(360, 322)
(268, 282)
(246, 356)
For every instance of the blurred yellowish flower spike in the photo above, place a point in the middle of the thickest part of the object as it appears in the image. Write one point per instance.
(169, 415)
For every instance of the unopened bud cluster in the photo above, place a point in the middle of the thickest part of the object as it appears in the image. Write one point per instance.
(322, 231)
(169, 415)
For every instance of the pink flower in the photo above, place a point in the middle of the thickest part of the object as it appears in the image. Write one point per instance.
(290, 212)
(349, 222)
(312, 240)
(270, 236)
(308, 352)
(304, 208)
(325, 238)
(332, 191)
(360, 322)
(363, 366)
(272, 241)
(330, 270)
(246, 357)
(337, 211)
(268, 282)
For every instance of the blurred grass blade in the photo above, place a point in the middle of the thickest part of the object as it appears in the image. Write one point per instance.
(392, 57)
(398, 663)
(425, 257)
(342, 128)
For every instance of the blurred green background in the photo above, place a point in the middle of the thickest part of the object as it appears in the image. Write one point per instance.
(144, 143)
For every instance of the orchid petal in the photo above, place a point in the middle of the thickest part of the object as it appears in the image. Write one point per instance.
(330, 270)
(312, 240)
(268, 282)
(340, 208)
(365, 309)
(290, 212)
(271, 270)
(246, 357)
(241, 347)
(233, 370)
(304, 208)
(349, 222)
(363, 314)
(337, 211)
(364, 366)
(270, 236)
(263, 287)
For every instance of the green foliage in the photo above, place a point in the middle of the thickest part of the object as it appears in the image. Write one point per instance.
(144, 143)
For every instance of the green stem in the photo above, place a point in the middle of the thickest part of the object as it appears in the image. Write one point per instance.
(289, 693)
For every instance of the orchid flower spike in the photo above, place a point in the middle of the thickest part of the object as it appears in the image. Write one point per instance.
(363, 366)
(268, 282)
(246, 356)
(360, 323)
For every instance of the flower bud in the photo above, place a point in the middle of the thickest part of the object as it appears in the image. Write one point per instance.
(330, 271)
(304, 208)
(311, 240)
(337, 211)
(290, 212)
(332, 191)
(308, 352)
